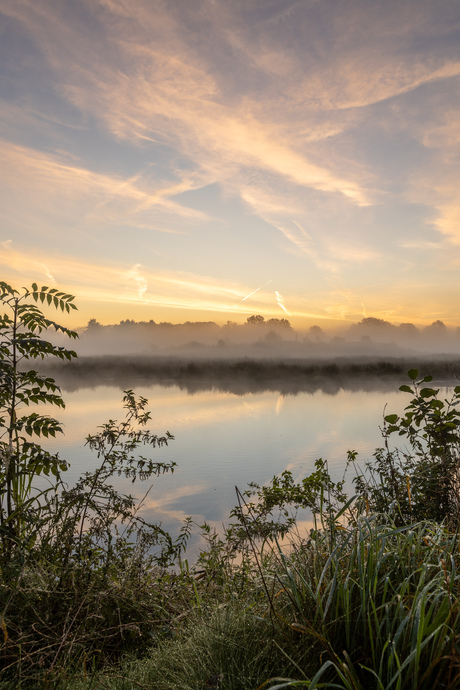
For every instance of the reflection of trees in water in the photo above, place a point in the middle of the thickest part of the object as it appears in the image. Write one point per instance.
(247, 376)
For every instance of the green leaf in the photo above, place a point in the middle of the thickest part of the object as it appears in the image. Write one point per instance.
(428, 392)
(391, 418)
(412, 374)
(406, 389)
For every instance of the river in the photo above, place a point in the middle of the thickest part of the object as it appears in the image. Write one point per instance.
(223, 440)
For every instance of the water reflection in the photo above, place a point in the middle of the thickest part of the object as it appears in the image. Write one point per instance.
(230, 433)
(246, 376)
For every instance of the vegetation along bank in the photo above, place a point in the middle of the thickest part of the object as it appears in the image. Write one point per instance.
(93, 596)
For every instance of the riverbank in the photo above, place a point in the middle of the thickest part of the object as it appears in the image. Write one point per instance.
(242, 376)
(369, 596)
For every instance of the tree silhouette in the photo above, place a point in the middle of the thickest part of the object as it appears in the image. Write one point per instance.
(316, 332)
(255, 319)
(279, 323)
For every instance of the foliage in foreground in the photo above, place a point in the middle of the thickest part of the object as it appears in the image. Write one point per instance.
(79, 567)
(371, 606)
(369, 598)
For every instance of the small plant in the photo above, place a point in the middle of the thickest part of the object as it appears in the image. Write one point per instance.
(271, 511)
(424, 477)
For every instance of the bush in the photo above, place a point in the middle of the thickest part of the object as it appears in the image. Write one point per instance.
(424, 478)
(82, 575)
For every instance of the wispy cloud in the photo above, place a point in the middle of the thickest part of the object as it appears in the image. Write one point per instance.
(134, 276)
(164, 93)
(112, 284)
(324, 134)
(280, 302)
(254, 291)
(56, 187)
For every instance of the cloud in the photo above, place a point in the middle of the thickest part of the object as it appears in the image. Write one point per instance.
(164, 94)
(280, 302)
(102, 287)
(134, 276)
(100, 283)
(48, 274)
(254, 291)
(50, 184)
(363, 90)
(131, 117)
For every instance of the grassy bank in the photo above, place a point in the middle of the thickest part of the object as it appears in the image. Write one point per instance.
(369, 606)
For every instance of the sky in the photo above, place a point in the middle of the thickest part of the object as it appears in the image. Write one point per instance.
(198, 160)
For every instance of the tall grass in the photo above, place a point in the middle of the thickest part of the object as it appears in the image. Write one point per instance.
(381, 601)
(370, 606)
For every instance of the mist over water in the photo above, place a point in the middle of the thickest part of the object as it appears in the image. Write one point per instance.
(249, 376)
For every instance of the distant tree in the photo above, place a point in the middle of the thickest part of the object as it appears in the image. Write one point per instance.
(273, 337)
(437, 326)
(316, 332)
(371, 325)
(255, 319)
(409, 330)
(373, 322)
(279, 323)
(229, 329)
(93, 324)
(437, 329)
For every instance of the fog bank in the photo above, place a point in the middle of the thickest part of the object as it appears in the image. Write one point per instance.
(260, 339)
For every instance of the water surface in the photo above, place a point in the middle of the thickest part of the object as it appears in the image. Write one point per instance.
(223, 440)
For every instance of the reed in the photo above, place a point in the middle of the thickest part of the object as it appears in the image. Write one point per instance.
(370, 606)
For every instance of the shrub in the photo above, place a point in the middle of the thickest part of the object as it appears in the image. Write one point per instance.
(424, 477)
(82, 574)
